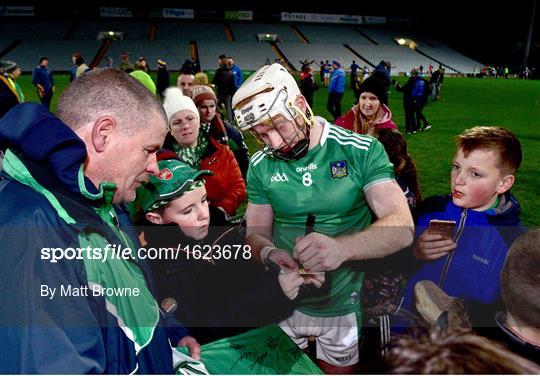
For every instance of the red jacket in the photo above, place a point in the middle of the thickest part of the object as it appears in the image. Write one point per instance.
(226, 188)
(347, 121)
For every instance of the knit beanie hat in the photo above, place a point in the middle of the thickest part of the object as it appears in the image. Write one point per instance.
(374, 86)
(201, 93)
(175, 101)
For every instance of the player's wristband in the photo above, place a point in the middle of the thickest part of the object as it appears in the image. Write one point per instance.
(266, 251)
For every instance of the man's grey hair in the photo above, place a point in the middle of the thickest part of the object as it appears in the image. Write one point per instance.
(108, 92)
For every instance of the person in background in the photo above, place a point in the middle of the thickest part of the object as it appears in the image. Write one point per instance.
(163, 77)
(519, 325)
(237, 72)
(185, 83)
(13, 72)
(9, 97)
(213, 125)
(369, 114)
(125, 64)
(354, 71)
(225, 86)
(42, 78)
(82, 68)
(308, 85)
(73, 72)
(142, 65)
(455, 352)
(336, 89)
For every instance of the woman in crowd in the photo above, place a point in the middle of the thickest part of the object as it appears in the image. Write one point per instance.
(369, 114)
(226, 188)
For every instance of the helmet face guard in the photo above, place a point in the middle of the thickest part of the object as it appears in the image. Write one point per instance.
(272, 93)
(295, 141)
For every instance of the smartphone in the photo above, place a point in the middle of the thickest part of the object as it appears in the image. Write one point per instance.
(442, 227)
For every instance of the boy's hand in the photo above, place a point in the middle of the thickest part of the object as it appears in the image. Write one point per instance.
(431, 246)
(290, 281)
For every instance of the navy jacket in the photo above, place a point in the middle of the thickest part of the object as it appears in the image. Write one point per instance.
(44, 77)
(70, 334)
(483, 239)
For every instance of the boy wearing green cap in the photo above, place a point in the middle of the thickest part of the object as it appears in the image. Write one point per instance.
(214, 290)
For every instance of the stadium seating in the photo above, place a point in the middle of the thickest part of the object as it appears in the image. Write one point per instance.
(332, 33)
(58, 39)
(187, 31)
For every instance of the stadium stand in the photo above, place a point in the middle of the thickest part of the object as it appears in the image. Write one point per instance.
(366, 44)
(186, 31)
(133, 29)
(33, 29)
(330, 34)
(247, 32)
(296, 52)
(402, 59)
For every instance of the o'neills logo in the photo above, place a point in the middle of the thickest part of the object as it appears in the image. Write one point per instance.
(312, 166)
(247, 109)
(165, 174)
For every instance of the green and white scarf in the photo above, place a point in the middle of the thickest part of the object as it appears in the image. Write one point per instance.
(192, 155)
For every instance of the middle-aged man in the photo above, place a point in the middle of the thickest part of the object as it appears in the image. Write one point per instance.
(185, 83)
(319, 198)
(76, 295)
(42, 78)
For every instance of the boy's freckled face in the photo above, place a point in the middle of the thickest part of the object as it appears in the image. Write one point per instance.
(476, 179)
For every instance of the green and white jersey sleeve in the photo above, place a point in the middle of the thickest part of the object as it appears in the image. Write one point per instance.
(330, 182)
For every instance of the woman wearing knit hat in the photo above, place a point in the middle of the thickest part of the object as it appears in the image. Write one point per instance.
(220, 130)
(226, 188)
(369, 114)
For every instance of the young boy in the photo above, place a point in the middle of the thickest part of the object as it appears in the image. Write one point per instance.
(208, 277)
(466, 263)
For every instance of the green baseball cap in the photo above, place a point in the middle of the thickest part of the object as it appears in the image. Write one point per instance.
(174, 179)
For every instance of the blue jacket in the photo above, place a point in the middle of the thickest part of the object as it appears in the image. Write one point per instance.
(337, 81)
(238, 78)
(46, 201)
(44, 77)
(483, 239)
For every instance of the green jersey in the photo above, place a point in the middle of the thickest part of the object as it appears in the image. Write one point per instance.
(329, 182)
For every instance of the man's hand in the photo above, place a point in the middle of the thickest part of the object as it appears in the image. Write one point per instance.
(290, 281)
(193, 346)
(318, 252)
(283, 259)
(432, 246)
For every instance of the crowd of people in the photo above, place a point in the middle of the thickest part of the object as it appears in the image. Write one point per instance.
(337, 245)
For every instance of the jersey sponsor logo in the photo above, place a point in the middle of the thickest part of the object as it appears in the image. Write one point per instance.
(339, 169)
(312, 166)
(279, 177)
